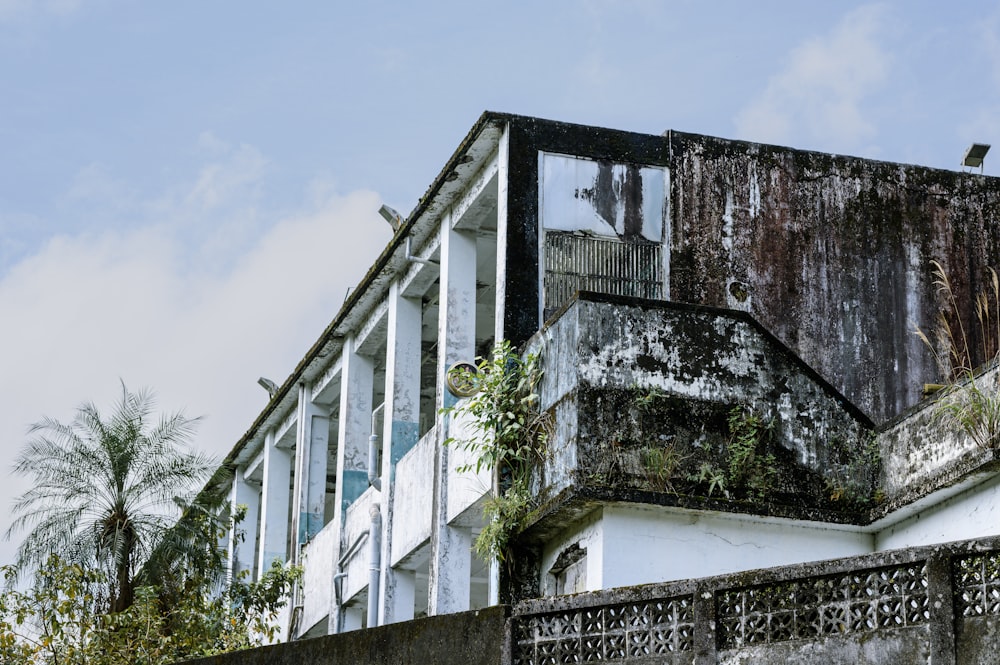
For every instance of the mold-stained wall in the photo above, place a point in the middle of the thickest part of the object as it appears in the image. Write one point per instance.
(831, 254)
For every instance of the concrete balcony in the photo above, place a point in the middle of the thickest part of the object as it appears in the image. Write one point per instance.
(643, 395)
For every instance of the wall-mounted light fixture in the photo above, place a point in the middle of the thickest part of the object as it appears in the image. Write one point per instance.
(267, 384)
(394, 218)
(975, 154)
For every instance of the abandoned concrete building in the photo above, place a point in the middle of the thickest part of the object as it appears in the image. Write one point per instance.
(682, 292)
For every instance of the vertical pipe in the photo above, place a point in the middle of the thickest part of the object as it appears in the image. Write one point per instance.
(373, 478)
(374, 563)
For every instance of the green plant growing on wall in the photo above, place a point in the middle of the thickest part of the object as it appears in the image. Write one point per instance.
(510, 437)
(971, 400)
(648, 398)
(661, 464)
(749, 467)
(713, 476)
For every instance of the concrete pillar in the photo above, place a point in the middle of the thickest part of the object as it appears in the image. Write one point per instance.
(519, 295)
(243, 536)
(503, 170)
(451, 557)
(400, 431)
(311, 440)
(274, 496)
(357, 378)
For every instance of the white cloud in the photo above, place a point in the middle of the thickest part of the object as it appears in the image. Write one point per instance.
(132, 303)
(818, 97)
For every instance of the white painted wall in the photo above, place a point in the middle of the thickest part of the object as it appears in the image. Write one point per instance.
(635, 544)
(974, 513)
(588, 533)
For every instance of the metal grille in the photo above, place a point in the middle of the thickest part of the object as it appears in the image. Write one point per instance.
(610, 633)
(605, 265)
(810, 608)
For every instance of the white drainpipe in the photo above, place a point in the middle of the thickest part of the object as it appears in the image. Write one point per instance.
(375, 563)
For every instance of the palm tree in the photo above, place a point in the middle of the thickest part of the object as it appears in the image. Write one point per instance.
(106, 490)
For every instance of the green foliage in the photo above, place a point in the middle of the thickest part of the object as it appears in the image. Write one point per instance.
(749, 468)
(504, 516)
(971, 401)
(54, 622)
(661, 464)
(973, 406)
(648, 399)
(104, 489)
(510, 435)
(117, 577)
(713, 476)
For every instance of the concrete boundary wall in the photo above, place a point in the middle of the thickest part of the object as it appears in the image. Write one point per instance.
(466, 638)
(923, 605)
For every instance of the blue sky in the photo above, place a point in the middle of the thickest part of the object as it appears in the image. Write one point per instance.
(187, 189)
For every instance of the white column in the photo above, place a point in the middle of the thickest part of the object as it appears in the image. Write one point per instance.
(451, 559)
(243, 536)
(274, 496)
(357, 380)
(399, 434)
(311, 439)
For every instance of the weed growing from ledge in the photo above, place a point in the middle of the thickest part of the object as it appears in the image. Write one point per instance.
(511, 437)
(661, 464)
(713, 476)
(973, 406)
(971, 401)
(749, 468)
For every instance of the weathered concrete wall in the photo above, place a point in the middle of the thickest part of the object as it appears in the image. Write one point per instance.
(625, 378)
(467, 638)
(466, 486)
(356, 521)
(831, 254)
(923, 451)
(937, 484)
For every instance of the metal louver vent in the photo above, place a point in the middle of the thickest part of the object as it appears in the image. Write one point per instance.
(605, 265)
